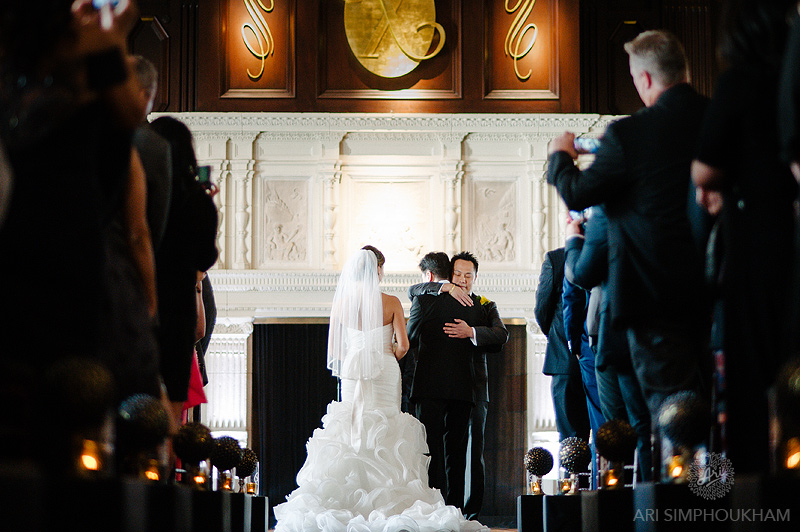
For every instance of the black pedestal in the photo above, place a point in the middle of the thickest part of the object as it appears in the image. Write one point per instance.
(760, 502)
(607, 510)
(233, 510)
(96, 505)
(207, 512)
(530, 513)
(256, 514)
(562, 513)
(673, 507)
(23, 498)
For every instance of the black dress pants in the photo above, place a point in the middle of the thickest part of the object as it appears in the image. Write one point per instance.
(446, 424)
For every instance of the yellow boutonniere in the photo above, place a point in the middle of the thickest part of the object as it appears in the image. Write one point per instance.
(484, 301)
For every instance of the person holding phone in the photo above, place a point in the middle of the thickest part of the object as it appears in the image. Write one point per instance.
(66, 120)
(188, 247)
(641, 174)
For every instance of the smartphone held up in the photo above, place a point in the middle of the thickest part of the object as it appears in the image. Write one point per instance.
(204, 176)
(586, 144)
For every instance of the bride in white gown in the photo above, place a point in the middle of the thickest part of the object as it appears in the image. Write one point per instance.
(367, 469)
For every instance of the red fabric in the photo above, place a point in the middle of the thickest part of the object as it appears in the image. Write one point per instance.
(196, 393)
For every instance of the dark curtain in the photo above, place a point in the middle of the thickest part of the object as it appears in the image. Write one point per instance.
(291, 389)
(505, 438)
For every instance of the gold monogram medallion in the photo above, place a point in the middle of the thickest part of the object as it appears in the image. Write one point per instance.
(391, 37)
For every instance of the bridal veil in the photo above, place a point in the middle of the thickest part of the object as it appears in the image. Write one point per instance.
(355, 339)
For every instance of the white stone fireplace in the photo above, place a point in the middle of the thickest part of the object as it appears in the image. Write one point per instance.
(299, 192)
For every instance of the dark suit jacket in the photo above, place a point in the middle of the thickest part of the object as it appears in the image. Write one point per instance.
(641, 175)
(453, 368)
(549, 312)
(586, 265)
(156, 155)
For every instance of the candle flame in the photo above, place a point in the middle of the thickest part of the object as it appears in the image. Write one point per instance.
(90, 462)
(793, 461)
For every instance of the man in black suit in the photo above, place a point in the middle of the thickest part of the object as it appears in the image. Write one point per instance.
(586, 265)
(451, 371)
(641, 175)
(435, 268)
(566, 387)
(154, 151)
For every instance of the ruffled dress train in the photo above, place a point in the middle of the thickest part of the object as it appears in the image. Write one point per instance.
(368, 471)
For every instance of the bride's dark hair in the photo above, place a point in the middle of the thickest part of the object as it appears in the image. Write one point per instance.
(378, 254)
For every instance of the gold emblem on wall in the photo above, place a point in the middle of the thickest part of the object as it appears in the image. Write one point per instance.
(265, 44)
(516, 34)
(391, 37)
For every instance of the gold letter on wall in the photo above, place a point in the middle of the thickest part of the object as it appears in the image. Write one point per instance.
(266, 44)
(391, 37)
(516, 33)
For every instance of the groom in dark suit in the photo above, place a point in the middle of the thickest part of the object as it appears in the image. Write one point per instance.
(451, 371)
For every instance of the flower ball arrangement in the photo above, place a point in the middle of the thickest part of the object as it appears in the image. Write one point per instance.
(226, 455)
(142, 428)
(685, 419)
(786, 417)
(538, 462)
(616, 441)
(193, 443)
(575, 457)
(246, 467)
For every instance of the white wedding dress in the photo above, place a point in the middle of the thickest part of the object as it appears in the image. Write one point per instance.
(368, 472)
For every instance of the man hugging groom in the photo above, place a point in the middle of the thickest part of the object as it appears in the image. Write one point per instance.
(453, 329)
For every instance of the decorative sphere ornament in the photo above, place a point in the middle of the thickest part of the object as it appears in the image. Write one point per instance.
(574, 455)
(247, 466)
(226, 454)
(538, 461)
(142, 422)
(193, 443)
(685, 419)
(616, 440)
(79, 392)
(787, 395)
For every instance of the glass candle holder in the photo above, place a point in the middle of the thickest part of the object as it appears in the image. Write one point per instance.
(677, 468)
(536, 485)
(226, 481)
(90, 459)
(567, 482)
(612, 476)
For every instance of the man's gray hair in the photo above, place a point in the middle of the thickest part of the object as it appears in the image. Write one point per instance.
(661, 54)
(146, 74)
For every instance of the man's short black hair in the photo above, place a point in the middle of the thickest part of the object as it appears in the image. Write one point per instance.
(437, 263)
(464, 255)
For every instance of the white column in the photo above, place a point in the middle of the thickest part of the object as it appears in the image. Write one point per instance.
(229, 372)
(539, 220)
(541, 413)
(219, 176)
(331, 179)
(452, 174)
(241, 176)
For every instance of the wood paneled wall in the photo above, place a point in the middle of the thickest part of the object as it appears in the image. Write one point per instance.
(577, 64)
(606, 25)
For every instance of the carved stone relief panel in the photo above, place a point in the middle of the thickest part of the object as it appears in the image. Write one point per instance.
(493, 220)
(393, 216)
(281, 221)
